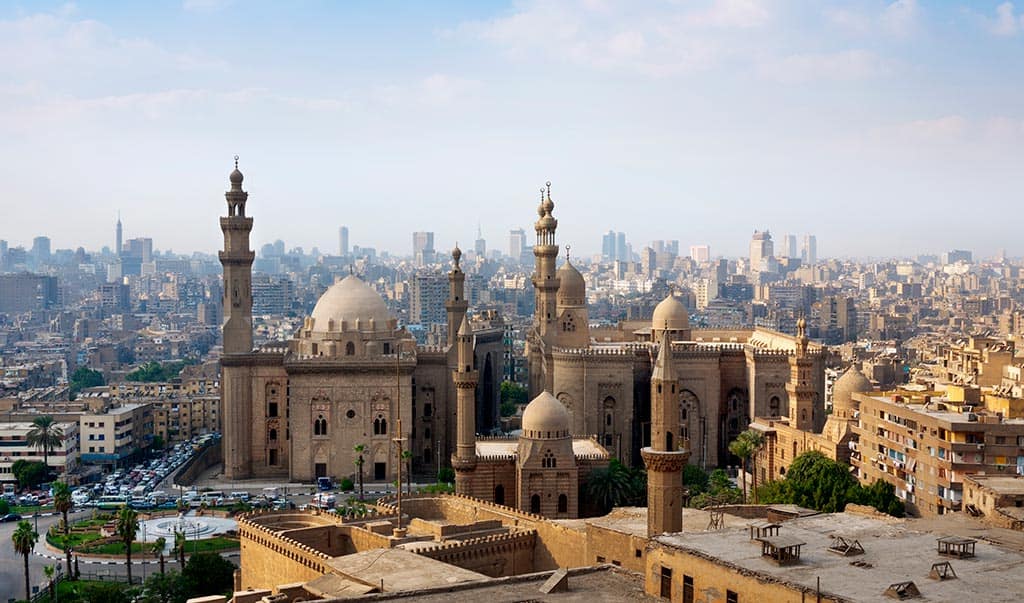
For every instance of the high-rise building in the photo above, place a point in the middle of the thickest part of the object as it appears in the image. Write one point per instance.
(622, 253)
(700, 253)
(3, 254)
(516, 244)
(343, 240)
(423, 248)
(608, 246)
(788, 247)
(480, 245)
(956, 255)
(40, 250)
(24, 292)
(118, 240)
(761, 248)
(809, 254)
(271, 294)
(427, 293)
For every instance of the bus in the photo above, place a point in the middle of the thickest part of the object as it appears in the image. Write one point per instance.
(111, 502)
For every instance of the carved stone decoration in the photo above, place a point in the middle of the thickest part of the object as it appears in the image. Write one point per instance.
(667, 462)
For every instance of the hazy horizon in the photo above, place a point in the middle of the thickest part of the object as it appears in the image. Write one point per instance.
(884, 128)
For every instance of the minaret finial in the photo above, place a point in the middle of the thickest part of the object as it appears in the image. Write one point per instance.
(236, 162)
(548, 183)
(542, 194)
(567, 248)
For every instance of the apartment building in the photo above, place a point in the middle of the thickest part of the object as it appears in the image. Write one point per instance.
(926, 445)
(113, 436)
(14, 447)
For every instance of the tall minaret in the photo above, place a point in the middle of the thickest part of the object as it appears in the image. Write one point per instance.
(545, 281)
(465, 378)
(801, 382)
(666, 457)
(118, 237)
(237, 262)
(456, 304)
(236, 385)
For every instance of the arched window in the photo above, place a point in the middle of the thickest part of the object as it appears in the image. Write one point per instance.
(535, 503)
(320, 426)
(350, 349)
(794, 449)
(499, 494)
(380, 425)
(548, 462)
(563, 503)
(272, 436)
(773, 406)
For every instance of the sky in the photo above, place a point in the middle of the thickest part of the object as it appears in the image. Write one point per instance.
(885, 128)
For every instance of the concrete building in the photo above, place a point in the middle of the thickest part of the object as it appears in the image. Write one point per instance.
(423, 248)
(516, 244)
(343, 241)
(24, 292)
(761, 248)
(116, 435)
(809, 253)
(700, 253)
(63, 459)
(427, 294)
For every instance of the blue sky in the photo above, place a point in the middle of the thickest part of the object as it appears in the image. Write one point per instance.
(884, 127)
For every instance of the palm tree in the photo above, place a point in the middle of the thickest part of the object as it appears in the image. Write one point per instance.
(25, 539)
(407, 457)
(359, 449)
(756, 439)
(742, 447)
(45, 435)
(62, 503)
(158, 549)
(611, 487)
(127, 526)
(48, 570)
(179, 547)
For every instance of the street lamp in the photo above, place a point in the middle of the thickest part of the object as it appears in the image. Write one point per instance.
(36, 517)
(143, 556)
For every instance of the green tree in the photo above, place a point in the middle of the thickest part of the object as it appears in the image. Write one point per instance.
(882, 496)
(512, 394)
(614, 486)
(48, 571)
(695, 479)
(756, 440)
(127, 527)
(359, 449)
(742, 448)
(816, 482)
(62, 504)
(103, 592)
(25, 539)
(180, 541)
(29, 473)
(157, 443)
(45, 435)
(208, 574)
(83, 378)
(5, 507)
(158, 549)
(165, 588)
(445, 475)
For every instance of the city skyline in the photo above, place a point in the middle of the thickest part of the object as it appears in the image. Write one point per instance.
(870, 124)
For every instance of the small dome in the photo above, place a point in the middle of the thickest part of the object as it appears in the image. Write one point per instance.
(547, 223)
(350, 299)
(670, 314)
(236, 176)
(456, 255)
(545, 417)
(852, 382)
(572, 289)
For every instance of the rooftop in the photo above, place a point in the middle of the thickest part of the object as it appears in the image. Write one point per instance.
(1003, 484)
(894, 552)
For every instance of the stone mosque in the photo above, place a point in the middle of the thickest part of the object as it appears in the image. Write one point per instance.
(351, 375)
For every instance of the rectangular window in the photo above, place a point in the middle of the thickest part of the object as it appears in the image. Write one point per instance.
(687, 589)
(272, 409)
(272, 457)
(731, 597)
(666, 582)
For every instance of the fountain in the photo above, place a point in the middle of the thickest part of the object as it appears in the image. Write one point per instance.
(193, 527)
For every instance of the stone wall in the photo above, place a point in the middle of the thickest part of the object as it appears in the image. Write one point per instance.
(207, 457)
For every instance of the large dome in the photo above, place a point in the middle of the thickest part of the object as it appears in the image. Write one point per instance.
(670, 315)
(545, 418)
(572, 289)
(350, 299)
(852, 382)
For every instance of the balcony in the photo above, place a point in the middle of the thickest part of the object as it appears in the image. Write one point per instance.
(967, 447)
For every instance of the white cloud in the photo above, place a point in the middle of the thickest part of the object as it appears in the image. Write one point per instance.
(845, 65)
(1006, 22)
(901, 17)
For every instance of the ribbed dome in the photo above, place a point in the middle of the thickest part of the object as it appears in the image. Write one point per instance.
(670, 314)
(350, 299)
(545, 418)
(572, 289)
(236, 176)
(852, 382)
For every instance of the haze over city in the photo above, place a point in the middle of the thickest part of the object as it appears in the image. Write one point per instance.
(886, 128)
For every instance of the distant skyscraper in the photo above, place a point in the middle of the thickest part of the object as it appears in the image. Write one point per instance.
(761, 248)
(788, 247)
(809, 254)
(423, 247)
(700, 253)
(622, 253)
(427, 294)
(343, 240)
(3, 253)
(118, 243)
(516, 244)
(40, 250)
(480, 245)
(608, 246)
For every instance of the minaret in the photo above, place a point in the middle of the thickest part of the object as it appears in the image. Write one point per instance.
(237, 262)
(801, 382)
(456, 304)
(545, 281)
(666, 457)
(236, 386)
(465, 378)
(118, 237)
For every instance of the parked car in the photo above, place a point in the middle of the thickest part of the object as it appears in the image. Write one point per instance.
(10, 517)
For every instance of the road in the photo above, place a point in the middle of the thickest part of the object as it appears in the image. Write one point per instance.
(12, 565)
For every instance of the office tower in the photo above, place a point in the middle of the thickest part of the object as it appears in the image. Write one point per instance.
(608, 246)
(428, 292)
(423, 248)
(673, 247)
(118, 241)
(788, 247)
(3, 253)
(621, 252)
(40, 251)
(809, 255)
(343, 240)
(648, 262)
(480, 245)
(761, 248)
(516, 244)
(700, 253)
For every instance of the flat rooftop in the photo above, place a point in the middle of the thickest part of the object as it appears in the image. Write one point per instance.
(581, 447)
(396, 569)
(894, 552)
(1003, 484)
